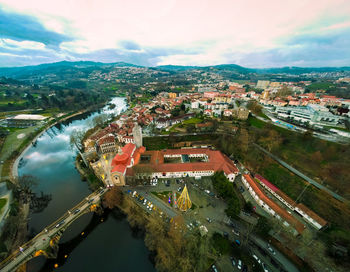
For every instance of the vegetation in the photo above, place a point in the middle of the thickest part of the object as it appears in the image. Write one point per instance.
(3, 202)
(225, 189)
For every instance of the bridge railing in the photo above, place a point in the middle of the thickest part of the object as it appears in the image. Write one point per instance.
(26, 245)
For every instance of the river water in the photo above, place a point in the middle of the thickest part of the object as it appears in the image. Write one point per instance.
(92, 243)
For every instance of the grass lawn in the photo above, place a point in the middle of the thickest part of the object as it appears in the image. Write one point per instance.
(3, 202)
(193, 120)
(261, 114)
(256, 122)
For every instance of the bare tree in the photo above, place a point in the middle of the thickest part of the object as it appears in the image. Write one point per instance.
(76, 139)
(113, 198)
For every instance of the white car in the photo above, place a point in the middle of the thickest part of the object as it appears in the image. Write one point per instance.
(239, 264)
(256, 258)
(271, 249)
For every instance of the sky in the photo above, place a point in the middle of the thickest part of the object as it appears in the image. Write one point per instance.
(251, 33)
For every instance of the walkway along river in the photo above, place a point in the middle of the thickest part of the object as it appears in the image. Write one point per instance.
(92, 243)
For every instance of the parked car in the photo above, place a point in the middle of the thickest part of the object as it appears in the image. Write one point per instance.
(238, 242)
(239, 264)
(213, 267)
(209, 220)
(235, 232)
(256, 258)
(265, 267)
(233, 261)
(271, 249)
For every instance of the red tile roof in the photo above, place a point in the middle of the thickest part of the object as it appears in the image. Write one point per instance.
(216, 161)
(281, 212)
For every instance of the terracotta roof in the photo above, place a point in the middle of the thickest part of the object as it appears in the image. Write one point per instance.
(106, 140)
(281, 212)
(216, 161)
(313, 215)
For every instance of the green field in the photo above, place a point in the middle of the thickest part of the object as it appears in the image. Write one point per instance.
(256, 122)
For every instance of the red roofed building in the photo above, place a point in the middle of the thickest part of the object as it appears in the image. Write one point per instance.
(106, 144)
(311, 217)
(127, 157)
(268, 205)
(195, 162)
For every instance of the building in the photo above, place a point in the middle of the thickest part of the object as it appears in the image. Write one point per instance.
(172, 95)
(127, 157)
(269, 206)
(107, 144)
(25, 120)
(311, 114)
(193, 162)
(310, 217)
(241, 113)
(262, 84)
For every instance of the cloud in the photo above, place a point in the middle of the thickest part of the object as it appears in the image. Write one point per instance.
(21, 27)
(129, 45)
(199, 32)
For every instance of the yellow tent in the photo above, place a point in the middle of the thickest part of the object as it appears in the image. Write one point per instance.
(184, 202)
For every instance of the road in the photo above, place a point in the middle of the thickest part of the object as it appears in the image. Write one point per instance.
(216, 213)
(42, 240)
(298, 173)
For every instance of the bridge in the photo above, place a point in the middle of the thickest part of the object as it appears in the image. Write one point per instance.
(46, 242)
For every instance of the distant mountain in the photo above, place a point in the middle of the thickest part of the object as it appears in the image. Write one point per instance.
(18, 72)
(300, 70)
(65, 66)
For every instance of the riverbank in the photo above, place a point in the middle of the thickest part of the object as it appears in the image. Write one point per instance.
(14, 165)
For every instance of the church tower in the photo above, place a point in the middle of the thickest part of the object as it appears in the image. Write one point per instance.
(137, 133)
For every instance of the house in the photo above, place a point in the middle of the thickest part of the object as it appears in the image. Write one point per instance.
(106, 144)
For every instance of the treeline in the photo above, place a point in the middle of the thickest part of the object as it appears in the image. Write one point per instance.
(173, 247)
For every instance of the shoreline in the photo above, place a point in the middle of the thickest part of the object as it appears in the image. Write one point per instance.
(14, 166)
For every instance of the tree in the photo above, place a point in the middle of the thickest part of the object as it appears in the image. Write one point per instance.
(100, 120)
(254, 107)
(26, 183)
(243, 140)
(284, 91)
(272, 140)
(76, 139)
(113, 198)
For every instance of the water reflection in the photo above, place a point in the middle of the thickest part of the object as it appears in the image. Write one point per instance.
(114, 247)
(109, 245)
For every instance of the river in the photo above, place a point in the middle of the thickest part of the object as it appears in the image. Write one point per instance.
(92, 243)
